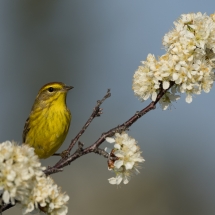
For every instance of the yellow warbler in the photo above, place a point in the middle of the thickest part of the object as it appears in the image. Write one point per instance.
(48, 123)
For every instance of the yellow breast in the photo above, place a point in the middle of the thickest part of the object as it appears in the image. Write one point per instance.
(48, 128)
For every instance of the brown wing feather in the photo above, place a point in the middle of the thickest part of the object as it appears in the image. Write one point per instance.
(26, 130)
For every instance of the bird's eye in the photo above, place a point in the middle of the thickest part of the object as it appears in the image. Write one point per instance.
(50, 89)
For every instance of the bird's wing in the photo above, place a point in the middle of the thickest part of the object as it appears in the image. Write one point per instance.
(26, 130)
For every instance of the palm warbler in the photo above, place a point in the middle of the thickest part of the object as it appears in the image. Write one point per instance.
(48, 123)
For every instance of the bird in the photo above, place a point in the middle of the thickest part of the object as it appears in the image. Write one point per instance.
(48, 123)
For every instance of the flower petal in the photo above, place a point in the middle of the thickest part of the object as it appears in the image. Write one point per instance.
(110, 140)
(165, 85)
(118, 163)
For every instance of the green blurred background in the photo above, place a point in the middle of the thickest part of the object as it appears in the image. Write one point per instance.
(95, 45)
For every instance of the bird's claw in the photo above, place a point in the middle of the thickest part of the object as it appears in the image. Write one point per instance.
(65, 154)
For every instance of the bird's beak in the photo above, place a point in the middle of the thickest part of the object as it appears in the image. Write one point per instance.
(67, 88)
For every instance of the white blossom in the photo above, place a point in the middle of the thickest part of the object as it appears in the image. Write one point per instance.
(188, 63)
(167, 99)
(22, 180)
(126, 155)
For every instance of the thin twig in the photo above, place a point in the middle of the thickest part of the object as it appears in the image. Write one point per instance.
(101, 152)
(97, 111)
(5, 207)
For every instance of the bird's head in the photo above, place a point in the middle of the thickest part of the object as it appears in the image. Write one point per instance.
(51, 93)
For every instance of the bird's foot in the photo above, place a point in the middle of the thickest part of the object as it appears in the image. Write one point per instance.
(65, 154)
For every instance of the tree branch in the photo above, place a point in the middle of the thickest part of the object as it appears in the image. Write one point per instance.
(118, 129)
(97, 111)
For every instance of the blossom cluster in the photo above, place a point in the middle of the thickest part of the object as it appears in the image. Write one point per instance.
(124, 158)
(22, 181)
(187, 63)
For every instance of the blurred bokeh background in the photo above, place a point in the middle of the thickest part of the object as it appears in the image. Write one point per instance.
(95, 45)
